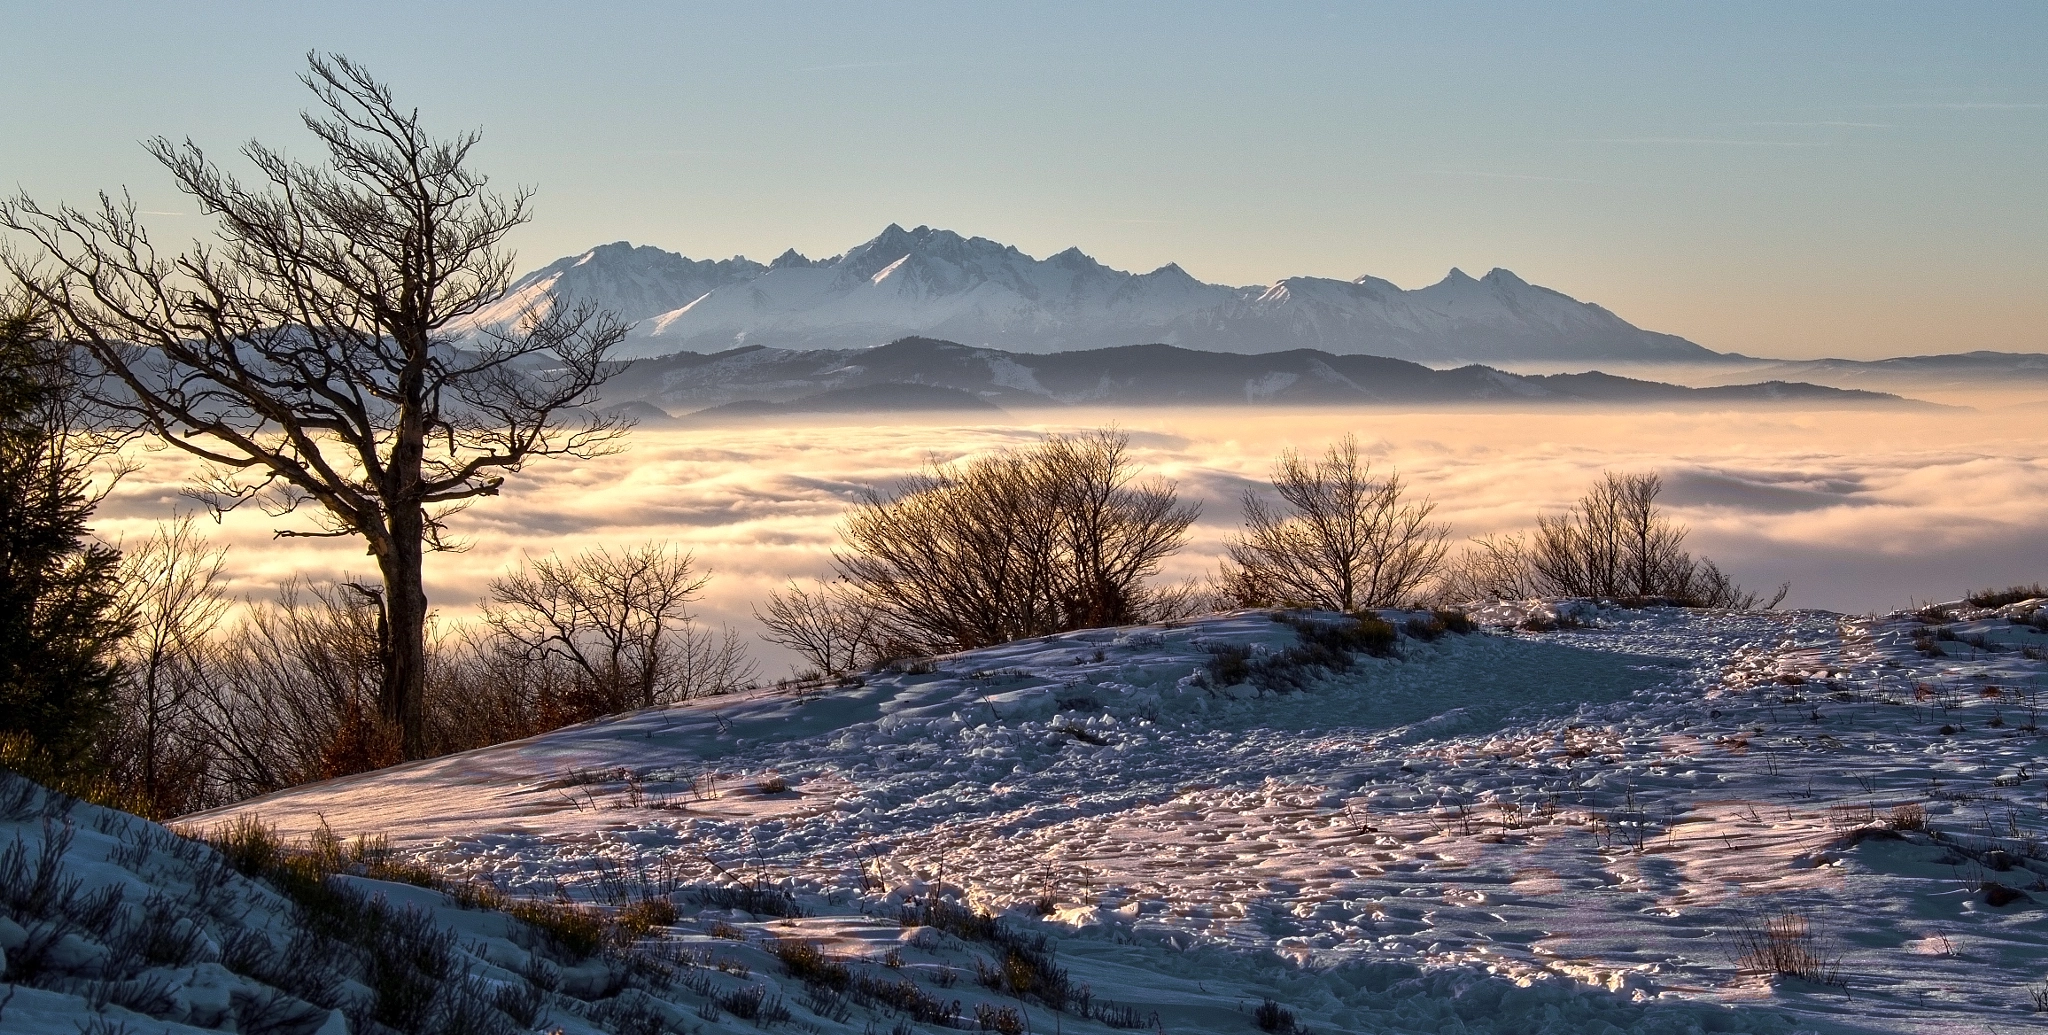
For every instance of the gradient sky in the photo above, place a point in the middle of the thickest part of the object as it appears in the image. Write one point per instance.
(1787, 179)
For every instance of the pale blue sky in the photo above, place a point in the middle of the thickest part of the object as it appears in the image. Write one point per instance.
(1780, 178)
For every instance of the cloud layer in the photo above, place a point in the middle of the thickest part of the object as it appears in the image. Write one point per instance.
(1860, 512)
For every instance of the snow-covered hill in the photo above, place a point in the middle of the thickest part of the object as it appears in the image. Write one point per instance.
(1581, 829)
(939, 284)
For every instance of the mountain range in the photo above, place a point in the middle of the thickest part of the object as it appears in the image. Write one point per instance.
(1954, 371)
(927, 374)
(935, 283)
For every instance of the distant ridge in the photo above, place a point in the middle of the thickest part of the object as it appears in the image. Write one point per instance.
(935, 283)
(1963, 370)
(927, 374)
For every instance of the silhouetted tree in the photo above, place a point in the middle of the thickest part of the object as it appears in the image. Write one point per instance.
(60, 616)
(305, 354)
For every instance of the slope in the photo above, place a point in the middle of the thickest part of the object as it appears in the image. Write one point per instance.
(1526, 831)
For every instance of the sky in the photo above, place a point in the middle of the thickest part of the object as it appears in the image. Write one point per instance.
(1780, 179)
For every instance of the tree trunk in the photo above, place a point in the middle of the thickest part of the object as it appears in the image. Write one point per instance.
(401, 701)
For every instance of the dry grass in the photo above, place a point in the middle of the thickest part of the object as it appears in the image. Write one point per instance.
(1786, 945)
(1909, 816)
(2009, 595)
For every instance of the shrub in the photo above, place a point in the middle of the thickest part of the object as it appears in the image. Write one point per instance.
(1616, 542)
(757, 895)
(1272, 1017)
(1428, 630)
(1934, 614)
(831, 627)
(1320, 647)
(1024, 965)
(620, 625)
(903, 996)
(1456, 621)
(1363, 633)
(1229, 664)
(1343, 539)
(810, 965)
(639, 918)
(576, 932)
(2009, 595)
(1004, 1020)
(1013, 545)
(1488, 568)
(1909, 816)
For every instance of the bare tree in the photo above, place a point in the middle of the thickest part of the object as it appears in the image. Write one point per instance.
(172, 591)
(834, 629)
(622, 622)
(1616, 542)
(1344, 539)
(1488, 568)
(289, 693)
(305, 355)
(1013, 544)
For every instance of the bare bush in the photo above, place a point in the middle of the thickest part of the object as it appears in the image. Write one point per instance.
(621, 624)
(286, 690)
(1488, 568)
(1994, 597)
(1014, 544)
(1342, 540)
(835, 630)
(289, 694)
(1614, 542)
(172, 591)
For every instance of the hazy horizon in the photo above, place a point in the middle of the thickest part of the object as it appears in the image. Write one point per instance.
(1780, 180)
(1859, 511)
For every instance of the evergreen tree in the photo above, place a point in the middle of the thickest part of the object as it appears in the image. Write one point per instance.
(60, 620)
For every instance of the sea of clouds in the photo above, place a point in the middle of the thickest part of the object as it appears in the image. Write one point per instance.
(1859, 511)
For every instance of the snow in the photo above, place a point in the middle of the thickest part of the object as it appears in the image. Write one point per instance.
(936, 283)
(1508, 831)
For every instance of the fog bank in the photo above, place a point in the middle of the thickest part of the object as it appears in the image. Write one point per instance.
(1860, 511)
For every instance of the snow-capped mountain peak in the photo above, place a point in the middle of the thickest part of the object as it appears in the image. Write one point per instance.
(934, 282)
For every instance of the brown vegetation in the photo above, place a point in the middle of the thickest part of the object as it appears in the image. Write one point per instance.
(1614, 543)
(218, 707)
(1344, 539)
(1015, 544)
(1786, 945)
